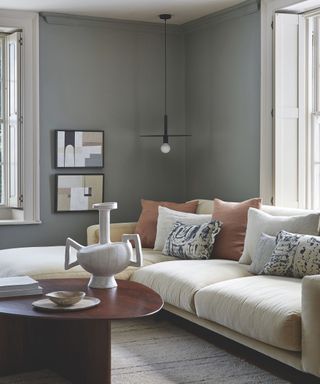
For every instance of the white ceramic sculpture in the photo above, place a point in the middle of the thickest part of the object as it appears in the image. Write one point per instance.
(105, 259)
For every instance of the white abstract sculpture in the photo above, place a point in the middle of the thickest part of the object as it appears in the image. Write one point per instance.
(105, 259)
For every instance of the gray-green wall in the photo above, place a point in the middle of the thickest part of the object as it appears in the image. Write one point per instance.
(108, 75)
(223, 106)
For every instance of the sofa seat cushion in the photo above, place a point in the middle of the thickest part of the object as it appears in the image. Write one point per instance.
(178, 281)
(266, 308)
(48, 263)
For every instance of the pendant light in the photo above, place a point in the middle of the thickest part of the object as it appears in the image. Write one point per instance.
(165, 147)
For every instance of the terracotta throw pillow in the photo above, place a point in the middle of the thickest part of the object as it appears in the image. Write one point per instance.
(147, 223)
(229, 243)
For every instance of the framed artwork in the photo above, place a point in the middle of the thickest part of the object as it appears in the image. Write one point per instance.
(77, 193)
(79, 149)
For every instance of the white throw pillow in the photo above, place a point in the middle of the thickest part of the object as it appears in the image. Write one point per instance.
(167, 219)
(260, 222)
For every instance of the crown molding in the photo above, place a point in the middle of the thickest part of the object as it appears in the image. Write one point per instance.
(246, 8)
(99, 22)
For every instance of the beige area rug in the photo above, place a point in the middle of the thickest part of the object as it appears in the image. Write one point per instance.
(160, 352)
(152, 351)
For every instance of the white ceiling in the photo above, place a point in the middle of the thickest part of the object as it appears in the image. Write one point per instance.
(140, 10)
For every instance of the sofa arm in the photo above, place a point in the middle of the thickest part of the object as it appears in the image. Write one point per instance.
(116, 232)
(310, 317)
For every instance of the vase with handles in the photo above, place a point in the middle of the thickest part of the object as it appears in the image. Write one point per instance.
(106, 259)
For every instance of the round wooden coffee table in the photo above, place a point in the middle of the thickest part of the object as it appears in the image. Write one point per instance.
(76, 345)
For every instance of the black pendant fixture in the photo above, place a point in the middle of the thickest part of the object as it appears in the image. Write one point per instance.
(165, 147)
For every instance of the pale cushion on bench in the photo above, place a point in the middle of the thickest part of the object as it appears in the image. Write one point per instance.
(48, 263)
(177, 282)
(266, 308)
(37, 262)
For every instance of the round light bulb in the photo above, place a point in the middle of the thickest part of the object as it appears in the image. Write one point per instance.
(165, 148)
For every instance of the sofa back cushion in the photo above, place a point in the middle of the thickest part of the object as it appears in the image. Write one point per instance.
(206, 207)
(147, 223)
(283, 211)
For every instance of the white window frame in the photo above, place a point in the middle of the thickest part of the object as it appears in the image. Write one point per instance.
(268, 9)
(28, 22)
(13, 171)
(313, 101)
(2, 121)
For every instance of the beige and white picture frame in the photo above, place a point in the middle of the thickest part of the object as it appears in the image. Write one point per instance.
(79, 149)
(77, 193)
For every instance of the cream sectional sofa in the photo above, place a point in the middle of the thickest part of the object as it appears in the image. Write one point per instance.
(277, 316)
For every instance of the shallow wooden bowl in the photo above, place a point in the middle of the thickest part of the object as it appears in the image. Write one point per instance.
(65, 298)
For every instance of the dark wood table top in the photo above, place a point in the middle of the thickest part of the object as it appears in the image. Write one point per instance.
(128, 300)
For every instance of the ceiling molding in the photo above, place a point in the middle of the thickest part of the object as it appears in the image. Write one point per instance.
(99, 22)
(246, 8)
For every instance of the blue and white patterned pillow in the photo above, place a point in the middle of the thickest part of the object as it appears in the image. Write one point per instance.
(294, 256)
(188, 241)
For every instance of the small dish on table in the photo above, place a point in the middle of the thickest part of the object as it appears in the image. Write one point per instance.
(65, 298)
(66, 301)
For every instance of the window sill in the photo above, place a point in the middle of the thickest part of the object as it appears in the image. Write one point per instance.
(11, 216)
(19, 222)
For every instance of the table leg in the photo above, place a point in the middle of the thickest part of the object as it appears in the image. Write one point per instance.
(77, 350)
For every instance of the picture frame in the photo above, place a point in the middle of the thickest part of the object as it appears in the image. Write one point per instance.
(79, 149)
(78, 192)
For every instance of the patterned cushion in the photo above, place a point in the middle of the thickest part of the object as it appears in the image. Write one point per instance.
(188, 241)
(294, 256)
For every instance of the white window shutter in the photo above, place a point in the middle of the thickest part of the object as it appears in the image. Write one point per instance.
(13, 48)
(289, 124)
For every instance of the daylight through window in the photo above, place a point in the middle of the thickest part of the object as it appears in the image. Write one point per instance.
(10, 120)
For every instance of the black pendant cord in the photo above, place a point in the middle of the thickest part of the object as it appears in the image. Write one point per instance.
(165, 135)
(165, 122)
(165, 67)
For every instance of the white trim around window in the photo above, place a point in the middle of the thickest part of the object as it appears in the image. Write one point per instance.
(28, 22)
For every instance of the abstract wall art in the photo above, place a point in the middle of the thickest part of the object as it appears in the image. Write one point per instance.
(79, 149)
(77, 193)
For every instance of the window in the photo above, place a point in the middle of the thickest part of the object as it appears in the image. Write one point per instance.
(297, 109)
(10, 120)
(289, 146)
(19, 118)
